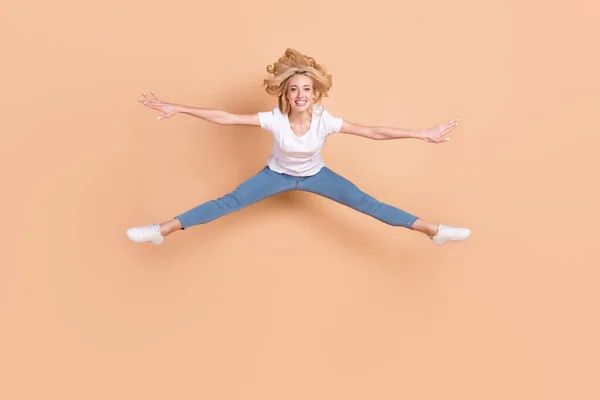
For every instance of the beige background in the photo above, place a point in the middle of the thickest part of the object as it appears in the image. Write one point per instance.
(297, 297)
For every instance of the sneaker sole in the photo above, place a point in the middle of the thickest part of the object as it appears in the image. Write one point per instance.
(143, 241)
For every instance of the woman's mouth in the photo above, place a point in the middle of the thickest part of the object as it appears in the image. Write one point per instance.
(300, 103)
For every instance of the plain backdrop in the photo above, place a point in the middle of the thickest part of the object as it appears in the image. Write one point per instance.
(297, 297)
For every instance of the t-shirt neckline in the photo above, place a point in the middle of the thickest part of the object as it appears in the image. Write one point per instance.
(289, 126)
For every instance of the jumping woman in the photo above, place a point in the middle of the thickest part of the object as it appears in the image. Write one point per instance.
(299, 126)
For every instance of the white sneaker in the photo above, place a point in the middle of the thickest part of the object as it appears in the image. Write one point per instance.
(448, 233)
(149, 233)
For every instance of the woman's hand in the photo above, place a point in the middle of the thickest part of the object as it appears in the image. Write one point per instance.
(152, 101)
(437, 133)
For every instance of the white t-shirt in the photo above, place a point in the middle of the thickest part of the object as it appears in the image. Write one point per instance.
(298, 155)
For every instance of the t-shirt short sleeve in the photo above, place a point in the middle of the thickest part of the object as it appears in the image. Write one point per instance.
(332, 124)
(269, 119)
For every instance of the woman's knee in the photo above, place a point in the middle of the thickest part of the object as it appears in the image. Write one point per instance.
(231, 201)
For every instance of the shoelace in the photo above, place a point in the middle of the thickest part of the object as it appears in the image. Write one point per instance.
(446, 230)
(150, 229)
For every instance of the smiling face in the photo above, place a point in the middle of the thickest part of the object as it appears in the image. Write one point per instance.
(300, 93)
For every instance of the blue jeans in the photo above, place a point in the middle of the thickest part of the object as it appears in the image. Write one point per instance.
(268, 183)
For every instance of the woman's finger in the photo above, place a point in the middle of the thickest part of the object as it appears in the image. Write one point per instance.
(451, 124)
(165, 115)
(451, 127)
(154, 95)
(148, 97)
(148, 104)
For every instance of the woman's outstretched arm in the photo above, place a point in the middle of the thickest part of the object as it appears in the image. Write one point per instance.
(434, 135)
(219, 117)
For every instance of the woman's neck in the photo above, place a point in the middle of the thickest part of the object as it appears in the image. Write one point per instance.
(299, 118)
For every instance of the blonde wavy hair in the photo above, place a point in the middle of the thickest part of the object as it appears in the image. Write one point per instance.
(292, 63)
